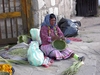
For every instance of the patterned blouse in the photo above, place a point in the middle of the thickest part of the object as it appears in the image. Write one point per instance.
(44, 33)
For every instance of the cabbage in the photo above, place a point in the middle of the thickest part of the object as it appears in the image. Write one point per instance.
(72, 70)
(23, 38)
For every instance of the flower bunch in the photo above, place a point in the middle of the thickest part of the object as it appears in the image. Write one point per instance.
(6, 68)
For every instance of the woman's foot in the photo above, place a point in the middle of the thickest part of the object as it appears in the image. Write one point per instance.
(81, 58)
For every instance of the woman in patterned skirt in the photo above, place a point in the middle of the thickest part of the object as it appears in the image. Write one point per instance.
(50, 32)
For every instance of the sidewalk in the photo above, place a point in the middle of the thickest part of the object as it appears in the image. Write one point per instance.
(82, 49)
(88, 47)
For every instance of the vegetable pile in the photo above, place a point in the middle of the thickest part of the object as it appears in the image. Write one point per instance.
(23, 38)
(19, 52)
(74, 68)
(23, 62)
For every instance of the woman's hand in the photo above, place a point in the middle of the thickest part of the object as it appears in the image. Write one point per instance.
(63, 38)
(55, 38)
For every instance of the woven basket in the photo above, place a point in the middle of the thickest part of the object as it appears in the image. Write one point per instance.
(59, 44)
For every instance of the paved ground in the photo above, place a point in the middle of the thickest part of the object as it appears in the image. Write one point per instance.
(89, 47)
(90, 29)
(90, 33)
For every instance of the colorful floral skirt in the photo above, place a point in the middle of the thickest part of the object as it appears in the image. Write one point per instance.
(52, 52)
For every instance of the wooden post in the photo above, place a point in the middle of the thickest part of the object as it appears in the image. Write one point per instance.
(29, 14)
(24, 15)
(0, 32)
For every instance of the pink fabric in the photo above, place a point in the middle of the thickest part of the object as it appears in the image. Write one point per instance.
(47, 47)
(44, 34)
(74, 39)
(48, 50)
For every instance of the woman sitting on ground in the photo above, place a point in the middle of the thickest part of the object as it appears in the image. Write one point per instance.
(50, 32)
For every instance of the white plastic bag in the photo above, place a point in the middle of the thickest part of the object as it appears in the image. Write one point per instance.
(34, 54)
(35, 34)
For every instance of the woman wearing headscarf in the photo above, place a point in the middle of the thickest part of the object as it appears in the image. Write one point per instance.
(50, 32)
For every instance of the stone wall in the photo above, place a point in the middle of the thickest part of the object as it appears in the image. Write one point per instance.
(61, 8)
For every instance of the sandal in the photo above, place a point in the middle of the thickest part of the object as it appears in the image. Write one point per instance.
(81, 58)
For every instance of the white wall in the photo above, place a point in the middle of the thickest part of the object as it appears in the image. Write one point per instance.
(61, 8)
(99, 2)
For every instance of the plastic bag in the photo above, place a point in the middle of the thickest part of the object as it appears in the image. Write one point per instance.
(68, 27)
(35, 34)
(34, 54)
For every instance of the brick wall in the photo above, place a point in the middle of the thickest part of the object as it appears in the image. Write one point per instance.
(61, 8)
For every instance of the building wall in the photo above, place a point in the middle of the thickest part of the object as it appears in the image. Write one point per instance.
(61, 8)
(12, 20)
(99, 2)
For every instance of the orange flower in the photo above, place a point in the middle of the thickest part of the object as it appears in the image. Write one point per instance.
(6, 68)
